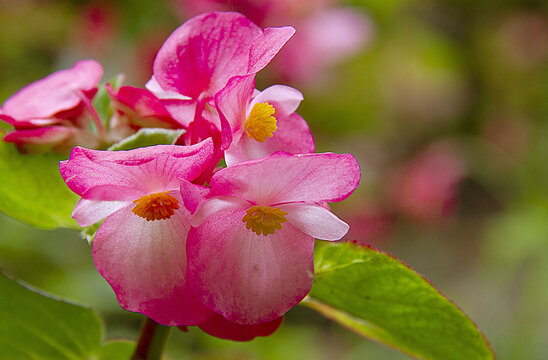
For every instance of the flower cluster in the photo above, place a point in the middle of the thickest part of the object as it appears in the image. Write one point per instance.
(229, 250)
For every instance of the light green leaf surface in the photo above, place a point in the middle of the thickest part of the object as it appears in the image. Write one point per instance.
(32, 190)
(148, 137)
(33, 326)
(380, 298)
(36, 326)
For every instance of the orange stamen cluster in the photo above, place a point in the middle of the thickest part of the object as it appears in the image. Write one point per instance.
(261, 123)
(264, 219)
(157, 206)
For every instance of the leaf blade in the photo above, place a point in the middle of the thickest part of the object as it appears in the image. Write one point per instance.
(380, 298)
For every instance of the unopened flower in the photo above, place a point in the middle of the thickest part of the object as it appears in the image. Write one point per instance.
(250, 254)
(55, 112)
(140, 247)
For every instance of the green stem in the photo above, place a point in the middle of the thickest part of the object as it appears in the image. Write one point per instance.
(152, 340)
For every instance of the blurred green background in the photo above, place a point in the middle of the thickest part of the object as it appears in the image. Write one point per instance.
(446, 110)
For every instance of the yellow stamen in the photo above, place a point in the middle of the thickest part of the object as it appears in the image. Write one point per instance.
(264, 219)
(157, 206)
(261, 123)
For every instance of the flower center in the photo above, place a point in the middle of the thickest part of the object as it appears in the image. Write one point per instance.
(157, 206)
(261, 123)
(264, 219)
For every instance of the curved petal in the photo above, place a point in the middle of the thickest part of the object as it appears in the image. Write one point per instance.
(120, 175)
(143, 105)
(145, 263)
(54, 93)
(248, 278)
(266, 46)
(315, 221)
(202, 54)
(211, 206)
(285, 99)
(219, 327)
(44, 135)
(282, 177)
(292, 136)
(155, 88)
(232, 100)
(88, 212)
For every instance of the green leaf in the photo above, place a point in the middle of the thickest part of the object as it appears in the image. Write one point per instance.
(32, 190)
(101, 101)
(380, 298)
(120, 349)
(34, 325)
(148, 137)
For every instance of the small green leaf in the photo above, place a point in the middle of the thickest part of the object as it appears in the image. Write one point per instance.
(34, 326)
(380, 298)
(101, 101)
(148, 137)
(32, 190)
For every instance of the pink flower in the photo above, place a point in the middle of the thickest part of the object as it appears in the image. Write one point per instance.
(140, 247)
(199, 58)
(55, 112)
(262, 122)
(250, 254)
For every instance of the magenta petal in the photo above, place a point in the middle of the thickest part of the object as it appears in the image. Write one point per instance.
(202, 54)
(315, 221)
(292, 136)
(44, 135)
(233, 99)
(145, 263)
(219, 327)
(194, 194)
(121, 175)
(211, 206)
(282, 178)
(266, 46)
(248, 278)
(54, 93)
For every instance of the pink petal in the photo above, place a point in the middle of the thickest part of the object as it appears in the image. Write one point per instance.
(194, 194)
(144, 107)
(285, 99)
(121, 175)
(145, 263)
(282, 178)
(153, 86)
(315, 221)
(45, 135)
(219, 327)
(201, 55)
(266, 46)
(248, 278)
(233, 99)
(88, 212)
(214, 205)
(54, 93)
(292, 136)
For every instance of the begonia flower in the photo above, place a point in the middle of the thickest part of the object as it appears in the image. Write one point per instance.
(250, 252)
(262, 122)
(55, 112)
(140, 247)
(199, 58)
